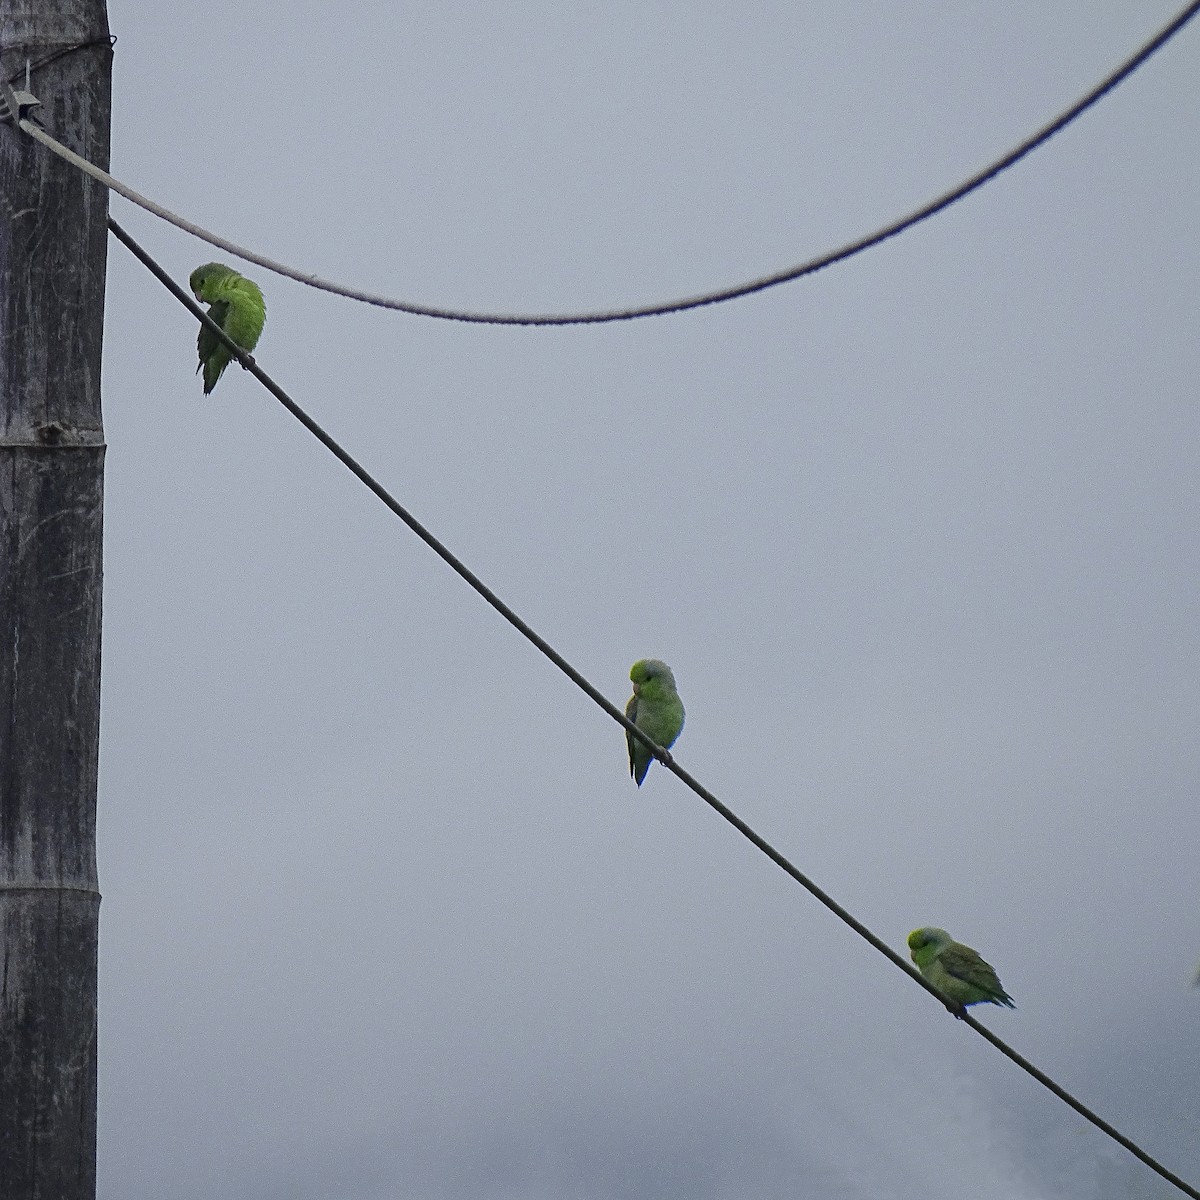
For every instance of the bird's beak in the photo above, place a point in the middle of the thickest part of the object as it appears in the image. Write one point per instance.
(637, 688)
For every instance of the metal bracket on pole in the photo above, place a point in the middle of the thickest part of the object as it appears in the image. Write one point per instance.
(17, 104)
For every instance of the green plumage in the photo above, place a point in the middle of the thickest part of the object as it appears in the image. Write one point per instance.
(956, 970)
(655, 708)
(237, 305)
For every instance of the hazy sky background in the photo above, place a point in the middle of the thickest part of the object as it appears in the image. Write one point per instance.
(384, 915)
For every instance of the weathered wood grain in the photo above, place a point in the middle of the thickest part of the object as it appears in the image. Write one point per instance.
(52, 262)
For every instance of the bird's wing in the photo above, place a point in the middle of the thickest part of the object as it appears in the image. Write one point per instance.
(631, 712)
(207, 341)
(964, 963)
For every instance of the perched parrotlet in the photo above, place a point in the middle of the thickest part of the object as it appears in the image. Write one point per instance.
(237, 305)
(655, 708)
(956, 970)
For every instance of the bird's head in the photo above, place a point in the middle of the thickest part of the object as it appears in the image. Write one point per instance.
(646, 669)
(203, 278)
(928, 936)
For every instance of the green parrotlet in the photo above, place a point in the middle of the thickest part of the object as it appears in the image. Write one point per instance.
(655, 708)
(956, 970)
(237, 305)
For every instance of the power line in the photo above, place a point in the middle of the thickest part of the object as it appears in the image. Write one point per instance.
(810, 267)
(617, 715)
(37, 64)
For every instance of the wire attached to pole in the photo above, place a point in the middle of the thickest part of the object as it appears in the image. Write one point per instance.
(527, 631)
(932, 208)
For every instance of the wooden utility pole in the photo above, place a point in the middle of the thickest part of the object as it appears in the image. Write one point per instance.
(52, 260)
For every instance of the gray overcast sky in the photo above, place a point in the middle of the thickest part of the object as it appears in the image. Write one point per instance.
(384, 915)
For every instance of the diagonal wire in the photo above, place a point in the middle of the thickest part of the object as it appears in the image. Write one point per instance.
(617, 715)
(810, 267)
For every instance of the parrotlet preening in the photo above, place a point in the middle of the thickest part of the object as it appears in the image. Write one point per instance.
(237, 305)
